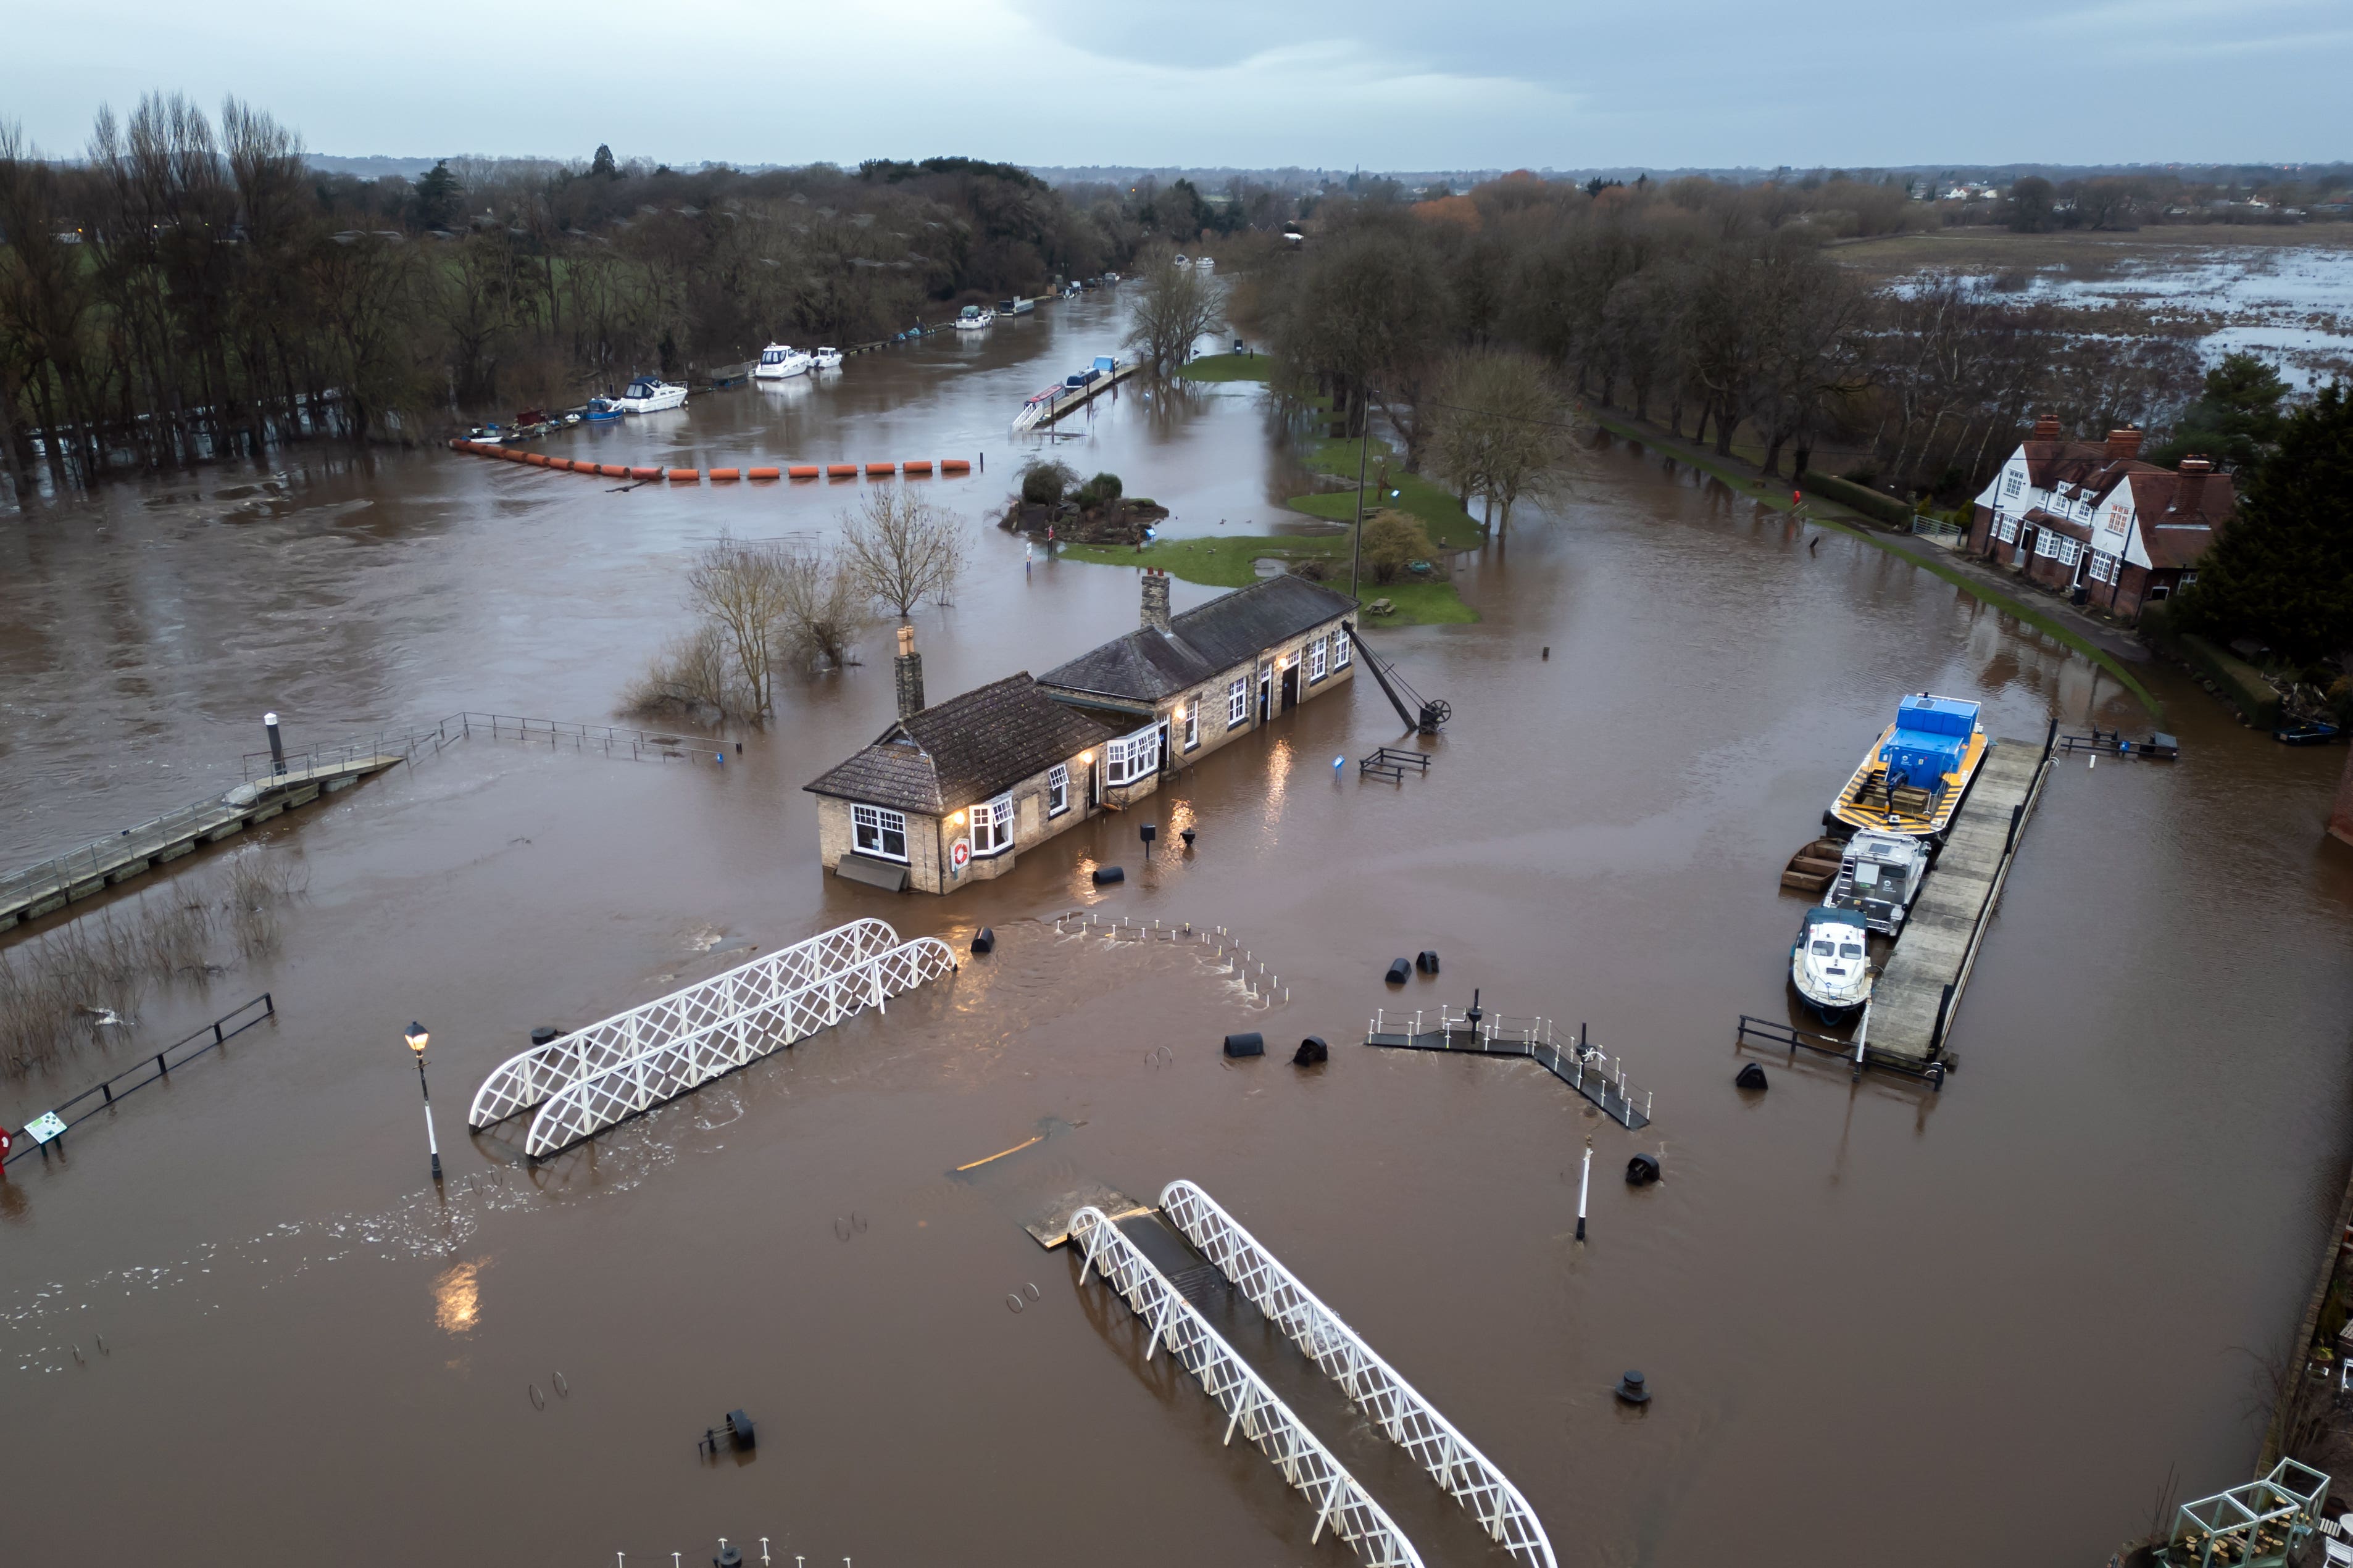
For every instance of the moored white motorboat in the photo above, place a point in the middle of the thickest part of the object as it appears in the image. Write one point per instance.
(972, 317)
(1205, 261)
(778, 361)
(1829, 963)
(826, 359)
(650, 395)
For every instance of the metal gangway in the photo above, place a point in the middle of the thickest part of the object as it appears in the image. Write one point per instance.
(1341, 1501)
(586, 1081)
(1395, 1405)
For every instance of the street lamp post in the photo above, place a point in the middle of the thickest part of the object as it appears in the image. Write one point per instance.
(417, 1040)
(1356, 548)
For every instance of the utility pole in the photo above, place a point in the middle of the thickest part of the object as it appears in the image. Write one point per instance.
(1356, 549)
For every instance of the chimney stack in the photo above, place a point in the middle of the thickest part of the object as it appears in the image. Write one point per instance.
(1156, 600)
(2124, 446)
(2190, 488)
(910, 675)
(2046, 428)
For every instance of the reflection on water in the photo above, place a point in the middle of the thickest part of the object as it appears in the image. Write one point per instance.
(458, 1297)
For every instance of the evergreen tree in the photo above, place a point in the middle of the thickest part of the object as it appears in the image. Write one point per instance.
(602, 165)
(438, 194)
(2235, 420)
(2284, 572)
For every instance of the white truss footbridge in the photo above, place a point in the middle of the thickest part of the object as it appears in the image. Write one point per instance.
(1340, 1501)
(633, 1061)
(1401, 1412)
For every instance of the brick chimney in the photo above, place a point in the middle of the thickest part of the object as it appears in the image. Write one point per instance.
(1156, 600)
(2124, 446)
(2190, 488)
(2046, 427)
(909, 669)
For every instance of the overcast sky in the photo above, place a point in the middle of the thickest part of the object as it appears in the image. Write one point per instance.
(1320, 83)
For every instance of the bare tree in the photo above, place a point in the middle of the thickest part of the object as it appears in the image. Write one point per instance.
(742, 589)
(899, 548)
(1504, 433)
(1177, 307)
(825, 608)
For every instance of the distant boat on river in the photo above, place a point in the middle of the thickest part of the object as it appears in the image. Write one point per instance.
(972, 317)
(650, 395)
(826, 359)
(778, 361)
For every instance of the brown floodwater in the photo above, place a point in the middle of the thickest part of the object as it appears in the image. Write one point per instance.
(1980, 1325)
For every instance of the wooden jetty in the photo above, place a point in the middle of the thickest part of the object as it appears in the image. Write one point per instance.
(39, 889)
(1918, 992)
(1036, 414)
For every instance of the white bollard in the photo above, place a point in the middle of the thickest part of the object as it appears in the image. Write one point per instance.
(1584, 1185)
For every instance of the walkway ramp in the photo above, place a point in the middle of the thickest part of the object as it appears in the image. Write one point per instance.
(1393, 1404)
(1252, 1407)
(586, 1081)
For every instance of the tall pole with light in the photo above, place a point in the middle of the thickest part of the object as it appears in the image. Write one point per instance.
(1356, 548)
(417, 1040)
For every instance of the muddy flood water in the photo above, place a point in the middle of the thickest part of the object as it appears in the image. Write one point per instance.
(1882, 1325)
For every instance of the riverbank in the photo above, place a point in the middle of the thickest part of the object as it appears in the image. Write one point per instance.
(2105, 646)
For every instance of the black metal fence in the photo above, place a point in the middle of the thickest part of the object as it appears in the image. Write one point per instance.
(102, 1096)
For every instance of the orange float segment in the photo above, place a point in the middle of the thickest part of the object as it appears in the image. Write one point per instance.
(804, 471)
(726, 473)
(613, 470)
(759, 474)
(916, 466)
(637, 473)
(686, 476)
(880, 470)
(841, 470)
(955, 466)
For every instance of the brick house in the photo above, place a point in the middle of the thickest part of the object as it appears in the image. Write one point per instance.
(1179, 687)
(949, 795)
(2090, 516)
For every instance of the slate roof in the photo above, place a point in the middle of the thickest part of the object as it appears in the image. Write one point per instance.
(2174, 537)
(1147, 664)
(970, 748)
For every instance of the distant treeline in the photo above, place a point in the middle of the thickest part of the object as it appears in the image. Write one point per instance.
(192, 288)
(1713, 308)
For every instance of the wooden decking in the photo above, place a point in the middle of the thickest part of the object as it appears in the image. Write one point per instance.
(1909, 1013)
(39, 889)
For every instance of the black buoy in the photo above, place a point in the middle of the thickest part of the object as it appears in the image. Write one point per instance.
(1110, 873)
(1547, 653)
(1186, 835)
(1427, 962)
(1398, 970)
(1632, 1390)
(1641, 1170)
(1311, 1051)
(544, 1035)
(729, 1557)
(1473, 1015)
(739, 1427)
(1250, 1045)
(1148, 832)
(1751, 1076)
(985, 940)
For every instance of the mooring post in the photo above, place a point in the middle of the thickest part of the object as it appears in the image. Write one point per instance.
(277, 746)
(1584, 1186)
(1936, 1035)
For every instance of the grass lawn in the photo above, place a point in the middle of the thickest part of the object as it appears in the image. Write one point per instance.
(1228, 367)
(1231, 563)
(1450, 526)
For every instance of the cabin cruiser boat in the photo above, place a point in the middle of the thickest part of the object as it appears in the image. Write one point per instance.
(972, 317)
(1829, 964)
(601, 408)
(778, 361)
(1205, 261)
(650, 395)
(826, 359)
(1878, 876)
(1914, 775)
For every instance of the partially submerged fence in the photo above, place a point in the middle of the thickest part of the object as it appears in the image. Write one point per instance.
(542, 734)
(51, 1125)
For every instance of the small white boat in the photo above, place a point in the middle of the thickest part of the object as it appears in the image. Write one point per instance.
(826, 359)
(650, 395)
(1829, 963)
(972, 317)
(1205, 261)
(778, 361)
(1879, 875)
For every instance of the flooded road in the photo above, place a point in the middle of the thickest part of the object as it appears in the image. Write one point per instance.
(1872, 1318)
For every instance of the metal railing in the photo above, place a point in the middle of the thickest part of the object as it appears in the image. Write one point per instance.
(527, 1079)
(552, 734)
(1373, 1386)
(1250, 1404)
(219, 1032)
(78, 866)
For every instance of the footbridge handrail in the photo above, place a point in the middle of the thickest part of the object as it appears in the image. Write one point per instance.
(1396, 1406)
(670, 1067)
(1340, 1501)
(528, 1077)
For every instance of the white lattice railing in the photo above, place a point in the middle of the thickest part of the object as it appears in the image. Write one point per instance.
(527, 1079)
(667, 1069)
(1407, 1419)
(1248, 1403)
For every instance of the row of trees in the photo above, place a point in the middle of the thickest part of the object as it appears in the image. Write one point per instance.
(1700, 304)
(191, 288)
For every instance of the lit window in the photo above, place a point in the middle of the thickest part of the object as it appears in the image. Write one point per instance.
(1058, 790)
(1236, 701)
(992, 826)
(879, 832)
(1192, 722)
(1315, 654)
(1341, 652)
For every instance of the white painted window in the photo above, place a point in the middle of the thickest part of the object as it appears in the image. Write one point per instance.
(1192, 722)
(1058, 790)
(2006, 530)
(2104, 567)
(2068, 552)
(2012, 482)
(1236, 702)
(992, 826)
(1341, 652)
(1316, 652)
(1132, 757)
(880, 832)
(2188, 578)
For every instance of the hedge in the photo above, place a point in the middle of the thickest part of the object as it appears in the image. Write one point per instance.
(2239, 682)
(1863, 498)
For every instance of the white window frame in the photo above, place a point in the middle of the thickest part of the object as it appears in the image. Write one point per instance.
(2011, 482)
(1132, 757)
(2046, 542)
(2006, 530)
(1238, 702)
(1057, 791)
(1341, 652)
(2069, 551)
(1192, 722)
(2188, 578)
(1316, 652)
(990, 831)
(878, 820)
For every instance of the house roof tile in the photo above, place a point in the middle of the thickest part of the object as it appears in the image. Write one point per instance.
(967, 749)
(1234, 628)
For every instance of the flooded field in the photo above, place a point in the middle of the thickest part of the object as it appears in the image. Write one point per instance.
(1880, 1323)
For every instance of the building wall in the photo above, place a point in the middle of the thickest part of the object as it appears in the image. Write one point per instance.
(1031, 826)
